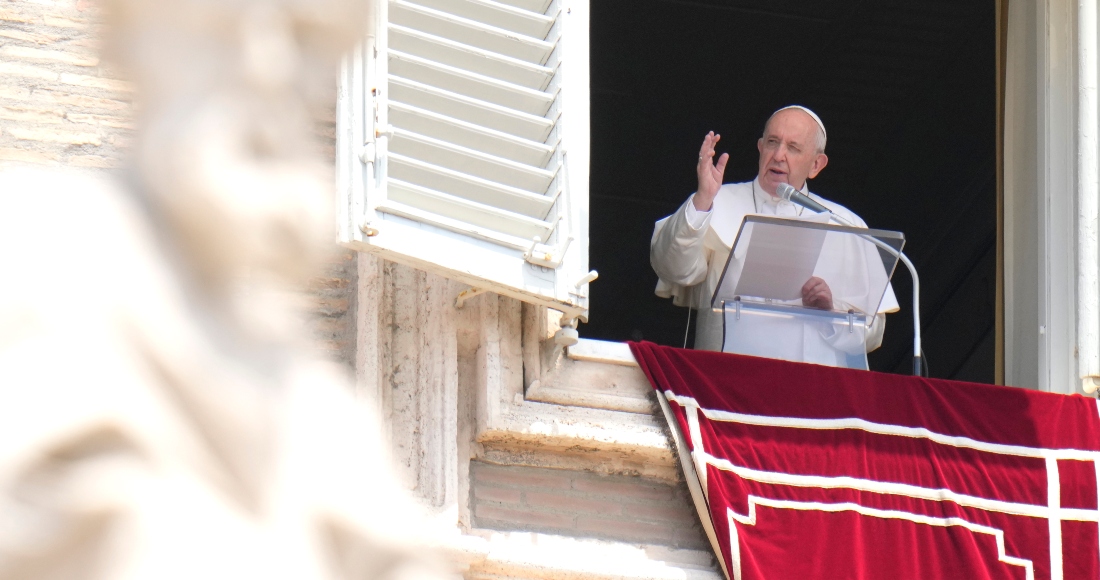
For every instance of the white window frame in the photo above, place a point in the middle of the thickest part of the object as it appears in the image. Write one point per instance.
(553, 274)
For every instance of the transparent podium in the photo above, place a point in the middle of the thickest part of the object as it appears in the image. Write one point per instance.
(760, 292)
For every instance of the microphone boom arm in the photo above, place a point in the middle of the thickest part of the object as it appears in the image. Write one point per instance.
(917, 358)
(789, 193)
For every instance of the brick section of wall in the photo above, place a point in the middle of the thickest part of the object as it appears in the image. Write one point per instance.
(61, 107)
(332, 314)
(334, 291)
(579, 503)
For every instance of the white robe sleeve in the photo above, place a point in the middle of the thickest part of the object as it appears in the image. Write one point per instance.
(677, 252)
(695, 218)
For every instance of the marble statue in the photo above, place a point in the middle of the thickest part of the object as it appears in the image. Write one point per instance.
(157, 419)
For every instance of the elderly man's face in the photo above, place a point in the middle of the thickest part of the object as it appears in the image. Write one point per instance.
(788, 150)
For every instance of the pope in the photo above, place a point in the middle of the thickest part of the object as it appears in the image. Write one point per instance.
(689, 248)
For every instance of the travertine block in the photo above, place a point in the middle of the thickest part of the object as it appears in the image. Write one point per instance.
(62, 22)
(581, 503)
(96, 82)
(37, 38)
(27, 156)
(13, 69)
(32, 114)
(97, 161)
(49, 56)
(55, 136)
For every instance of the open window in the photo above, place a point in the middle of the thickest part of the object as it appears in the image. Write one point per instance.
(462, 140)
(907, 91)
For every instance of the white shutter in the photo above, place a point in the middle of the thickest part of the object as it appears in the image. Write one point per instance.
(463, 144)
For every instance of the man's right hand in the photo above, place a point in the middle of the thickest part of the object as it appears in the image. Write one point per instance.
(709, 172)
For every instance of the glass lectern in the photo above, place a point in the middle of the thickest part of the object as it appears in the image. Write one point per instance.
(760, 292)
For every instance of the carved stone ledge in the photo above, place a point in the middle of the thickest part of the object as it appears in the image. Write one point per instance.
(577, 413)
(489, 554)
(546, 435)
(591, 374)
(594, 385)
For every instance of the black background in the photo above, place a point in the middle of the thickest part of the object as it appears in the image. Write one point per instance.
(907, 92)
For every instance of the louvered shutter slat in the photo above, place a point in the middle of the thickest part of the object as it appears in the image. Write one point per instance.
(476, 60)
(443, 61)
(470, 84)
(466, 141)
(469, 135)
(478, 214)
(537, 6)
(469, 186)
(456, 225)
(470, 32)
(526, 22)
(466, 160)
(485, 114)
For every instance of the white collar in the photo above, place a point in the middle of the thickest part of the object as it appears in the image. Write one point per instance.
(763, 197)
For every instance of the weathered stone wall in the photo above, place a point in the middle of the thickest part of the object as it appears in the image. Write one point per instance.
(331, 315)
(582, 503)
(61, 106)
(570, 486)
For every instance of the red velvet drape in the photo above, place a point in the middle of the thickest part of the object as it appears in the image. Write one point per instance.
(835, 473)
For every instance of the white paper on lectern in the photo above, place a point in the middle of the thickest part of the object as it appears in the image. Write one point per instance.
(775, 262)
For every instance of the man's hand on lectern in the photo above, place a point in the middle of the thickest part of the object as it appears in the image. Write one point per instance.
(710, 173)
(816, 294)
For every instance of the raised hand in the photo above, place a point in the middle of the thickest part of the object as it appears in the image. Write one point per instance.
(709, 172)
(816, 294)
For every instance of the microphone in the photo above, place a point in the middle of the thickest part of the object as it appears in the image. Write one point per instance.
(789, 193)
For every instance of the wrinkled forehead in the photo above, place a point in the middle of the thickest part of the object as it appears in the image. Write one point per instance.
(792, 124)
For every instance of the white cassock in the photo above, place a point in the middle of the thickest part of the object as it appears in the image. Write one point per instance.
(689, 251)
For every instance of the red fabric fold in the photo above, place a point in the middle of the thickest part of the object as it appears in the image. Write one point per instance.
(820, 472)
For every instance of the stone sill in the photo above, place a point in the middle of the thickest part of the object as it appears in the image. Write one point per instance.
(534, 556)
(591, 409)
(596, 374)
(602, 351)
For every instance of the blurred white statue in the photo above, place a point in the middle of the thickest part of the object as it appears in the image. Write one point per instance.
(156, 421)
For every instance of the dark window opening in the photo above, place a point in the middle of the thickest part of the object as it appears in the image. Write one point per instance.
(907, 92)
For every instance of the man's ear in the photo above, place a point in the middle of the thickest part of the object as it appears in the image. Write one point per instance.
(819, 163)
(760, 145)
